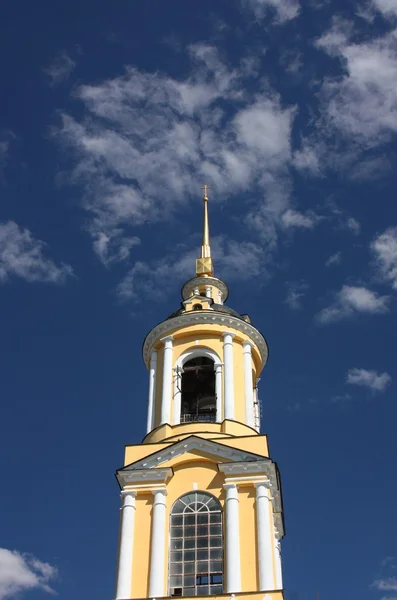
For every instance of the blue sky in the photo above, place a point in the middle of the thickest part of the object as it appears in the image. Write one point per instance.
(112, 116)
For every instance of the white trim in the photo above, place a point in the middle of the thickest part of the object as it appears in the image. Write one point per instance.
(228, 373)
(195, 443)
(152, 391)
(167, 380)
(277, 558)
(248, 383)
(189, 355)
(126, 548)
(131, 477)
(157, 546)
(204, 317)
(264, 534)
(232, 541)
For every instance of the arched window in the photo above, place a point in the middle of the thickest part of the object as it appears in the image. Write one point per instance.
(198, 397)
(196, 546)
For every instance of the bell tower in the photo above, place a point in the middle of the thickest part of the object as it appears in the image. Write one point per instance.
(201, 498)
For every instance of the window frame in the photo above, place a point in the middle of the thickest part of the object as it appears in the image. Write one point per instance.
(192, 521)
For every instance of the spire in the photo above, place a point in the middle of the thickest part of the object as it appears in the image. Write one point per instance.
(204, 263)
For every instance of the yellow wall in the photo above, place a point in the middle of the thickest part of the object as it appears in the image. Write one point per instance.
(210, 337)
(193, 473)
(255, 443)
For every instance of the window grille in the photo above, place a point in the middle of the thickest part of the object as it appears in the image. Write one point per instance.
(196, 546)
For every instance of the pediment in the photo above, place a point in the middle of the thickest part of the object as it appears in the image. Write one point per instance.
(199, 447)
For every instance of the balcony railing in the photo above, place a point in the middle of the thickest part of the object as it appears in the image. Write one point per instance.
(202, 417)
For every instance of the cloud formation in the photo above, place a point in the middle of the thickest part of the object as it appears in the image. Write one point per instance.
(351, 301)
(60, 69)
(149, 141)
(296, 291)
(285, 10)
(292, 218)
(233, 261)
(384, 248)
(23, 256)
(376, 382)
(362, 103)
(334, 259)
(21, 572)
(387, 7)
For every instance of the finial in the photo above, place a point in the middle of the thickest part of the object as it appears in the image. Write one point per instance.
(204, 263)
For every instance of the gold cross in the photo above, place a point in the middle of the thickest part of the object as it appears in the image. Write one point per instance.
(205, 188)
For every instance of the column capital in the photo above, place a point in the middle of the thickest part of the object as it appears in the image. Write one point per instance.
(264, 482)
(153, 356)
(167, 340)
(247, 344)
(230, 487)
(225, 333)
(159, 492)
(125, 493)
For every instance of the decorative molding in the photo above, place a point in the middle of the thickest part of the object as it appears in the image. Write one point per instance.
(198, 281)
(239, 471)
(225, 333)
(203, 318)
(131, 477)
(188, 445)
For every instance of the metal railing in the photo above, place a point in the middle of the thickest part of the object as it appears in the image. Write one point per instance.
(203, 417)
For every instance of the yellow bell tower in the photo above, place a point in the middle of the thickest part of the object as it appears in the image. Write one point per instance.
(201, 498)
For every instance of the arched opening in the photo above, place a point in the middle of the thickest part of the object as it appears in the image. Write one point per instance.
(198, 397)
(196, 546)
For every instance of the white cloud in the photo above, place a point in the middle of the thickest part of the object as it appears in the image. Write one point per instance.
(60, 69)
(22, 255)
(292, 218)
(233, 261)
(334, 259)
(295, 294)
(351, 301)
(387, 7)
(148, 142)
(389, 585)
(21, 572)
(307, 159)
(384, 248)
(285, 10)
(353, 225)
(377, 382)
(362, 103)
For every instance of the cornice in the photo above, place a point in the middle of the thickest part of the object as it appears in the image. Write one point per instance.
(197, 281)
(193, 443)
(136, 476)
(204, 318)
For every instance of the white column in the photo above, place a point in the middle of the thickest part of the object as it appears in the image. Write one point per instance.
(220, 300)
(248, 384)
(124, 570)
(157, 547)
(218, 391)
(228, 374)
(152, 392)
(277, 554)
(232, 539)
(264, 534)
(208, 291)
(167, 380)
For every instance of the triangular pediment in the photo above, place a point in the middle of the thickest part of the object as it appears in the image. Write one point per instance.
(200, 447)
